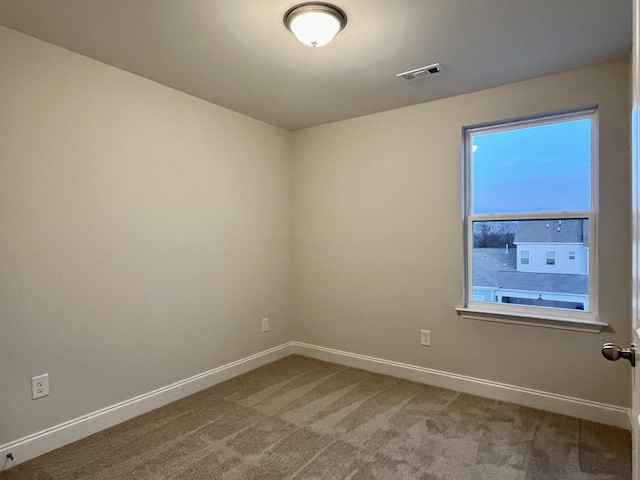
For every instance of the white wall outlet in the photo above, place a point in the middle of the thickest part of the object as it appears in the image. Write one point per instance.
(265, 324)
(40, 386)
(425, 337)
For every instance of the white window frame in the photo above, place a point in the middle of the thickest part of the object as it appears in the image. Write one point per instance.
(550, 255)
(523, 257)
(531, 315)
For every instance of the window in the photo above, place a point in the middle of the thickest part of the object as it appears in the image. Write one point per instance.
(551, 258)
(531, 194)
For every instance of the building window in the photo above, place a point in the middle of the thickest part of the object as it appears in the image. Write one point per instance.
(551, 258)
(530, 192)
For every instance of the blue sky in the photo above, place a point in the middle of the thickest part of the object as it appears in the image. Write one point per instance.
(545, 168)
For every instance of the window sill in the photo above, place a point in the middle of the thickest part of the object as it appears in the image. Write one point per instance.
(547, 321)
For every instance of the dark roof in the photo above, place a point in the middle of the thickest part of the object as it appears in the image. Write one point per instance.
(489, 270)
(551, 231)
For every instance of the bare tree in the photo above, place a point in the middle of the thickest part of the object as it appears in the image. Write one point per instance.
(494, 234)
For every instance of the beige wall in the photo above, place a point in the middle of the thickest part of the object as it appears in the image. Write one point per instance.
(144, 234)
(378, 239)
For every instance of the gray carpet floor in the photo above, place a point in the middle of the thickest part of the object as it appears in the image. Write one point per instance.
(300, 418)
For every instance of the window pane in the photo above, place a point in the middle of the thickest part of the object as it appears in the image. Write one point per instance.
(543, 168)
(551, 257)
(510, 263)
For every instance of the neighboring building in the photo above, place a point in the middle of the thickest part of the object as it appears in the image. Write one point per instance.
(549, 267)
(553, 246)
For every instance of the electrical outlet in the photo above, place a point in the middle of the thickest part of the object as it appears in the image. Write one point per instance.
(425, 338)
(265, 324)
(40, 386)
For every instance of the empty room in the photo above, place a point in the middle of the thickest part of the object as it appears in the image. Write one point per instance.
(365, 239)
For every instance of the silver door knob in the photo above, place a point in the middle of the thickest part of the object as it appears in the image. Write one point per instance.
(613, 352)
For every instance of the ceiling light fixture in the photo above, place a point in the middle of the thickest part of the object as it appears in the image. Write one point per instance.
(315, 23)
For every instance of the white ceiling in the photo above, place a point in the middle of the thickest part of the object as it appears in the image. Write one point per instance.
(238, 53)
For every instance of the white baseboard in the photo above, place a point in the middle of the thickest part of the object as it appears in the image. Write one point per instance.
(551, 402)
(47, 440)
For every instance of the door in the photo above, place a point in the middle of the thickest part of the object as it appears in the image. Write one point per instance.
(635, 220)
(612, 352)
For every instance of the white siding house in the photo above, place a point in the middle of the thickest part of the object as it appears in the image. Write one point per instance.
(548, 268)
(553, 246)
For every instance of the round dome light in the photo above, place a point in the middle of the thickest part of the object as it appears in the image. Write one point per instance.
(315, 24)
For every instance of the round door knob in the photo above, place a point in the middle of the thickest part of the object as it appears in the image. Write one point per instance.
(613, 352)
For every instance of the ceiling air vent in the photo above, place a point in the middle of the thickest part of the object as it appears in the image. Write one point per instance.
(421, 72)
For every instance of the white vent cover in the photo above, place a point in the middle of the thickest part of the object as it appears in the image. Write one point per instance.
(421, 72)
